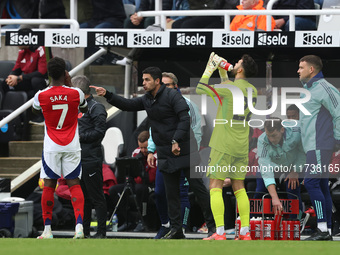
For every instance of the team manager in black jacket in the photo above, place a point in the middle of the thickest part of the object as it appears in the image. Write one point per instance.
(170, 126)
(92, 128)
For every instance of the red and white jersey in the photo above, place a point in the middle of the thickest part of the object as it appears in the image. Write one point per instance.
(59, 105)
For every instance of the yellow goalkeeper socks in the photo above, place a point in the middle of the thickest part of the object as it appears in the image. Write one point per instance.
(243, 206)
(217, 206)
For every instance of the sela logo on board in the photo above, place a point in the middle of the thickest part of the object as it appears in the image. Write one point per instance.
(67, 39)
(109, 39)
(62, 39)
(147, 39)
(184, 39)
(269, 39)
(29, 39)
(140, 39)
(187, 39)
(238, 39)
(317, 39)
(312, 39)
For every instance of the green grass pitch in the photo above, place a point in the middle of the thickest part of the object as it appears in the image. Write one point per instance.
(62, 246)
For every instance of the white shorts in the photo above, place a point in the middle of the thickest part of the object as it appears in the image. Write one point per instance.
(55, 164)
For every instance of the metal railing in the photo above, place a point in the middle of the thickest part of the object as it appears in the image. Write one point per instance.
(29, 103)
(228, 13)
(72, 22)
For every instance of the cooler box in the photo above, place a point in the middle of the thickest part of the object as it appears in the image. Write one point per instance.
(7, 215)
(24, 217)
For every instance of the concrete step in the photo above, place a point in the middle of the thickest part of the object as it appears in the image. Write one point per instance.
(16, 164)
(8, 176)
(25, 148)
(36, 133)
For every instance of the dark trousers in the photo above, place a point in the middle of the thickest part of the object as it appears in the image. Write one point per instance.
(172, 188)
(316, 183)
(161, 202)
(199, 22)
(147, 21)
(30, 86)
(92, 186)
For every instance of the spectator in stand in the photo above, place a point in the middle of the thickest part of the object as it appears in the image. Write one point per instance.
(51, 9)
(293, 112)
(106, 14)
(204, 21)
(134, 21)
(250, 22)
(92, 128)
(30, 71)
(141, 184)
(176, 6)
(301, 22)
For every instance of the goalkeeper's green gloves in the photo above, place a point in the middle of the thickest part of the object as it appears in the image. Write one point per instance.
(212, 65)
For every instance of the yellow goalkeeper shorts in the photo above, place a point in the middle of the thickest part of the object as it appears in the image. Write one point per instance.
(223, 166)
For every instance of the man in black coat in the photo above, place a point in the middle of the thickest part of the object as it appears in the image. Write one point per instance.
(92, 128)
(174, 139)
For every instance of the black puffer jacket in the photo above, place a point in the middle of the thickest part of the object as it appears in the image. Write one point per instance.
(92, 127)
(169, 120)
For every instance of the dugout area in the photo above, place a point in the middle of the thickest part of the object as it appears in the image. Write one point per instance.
(190, 62)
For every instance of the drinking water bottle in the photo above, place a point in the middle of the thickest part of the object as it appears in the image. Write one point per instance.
(114, 223)
(227, 66)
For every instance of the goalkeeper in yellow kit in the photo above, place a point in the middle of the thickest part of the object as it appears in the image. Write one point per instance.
(229, 141)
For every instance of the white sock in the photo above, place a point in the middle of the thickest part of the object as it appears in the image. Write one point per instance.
(47, 228)
(322, 226)
(167, 225)
(330, 231)
(220, 230)
(244, 230)
(79, 227)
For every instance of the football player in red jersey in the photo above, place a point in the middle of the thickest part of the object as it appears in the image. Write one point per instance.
(59, 104)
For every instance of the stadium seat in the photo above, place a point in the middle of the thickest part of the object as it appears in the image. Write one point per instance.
(14, 130)
(6, 67)
(112, 143)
